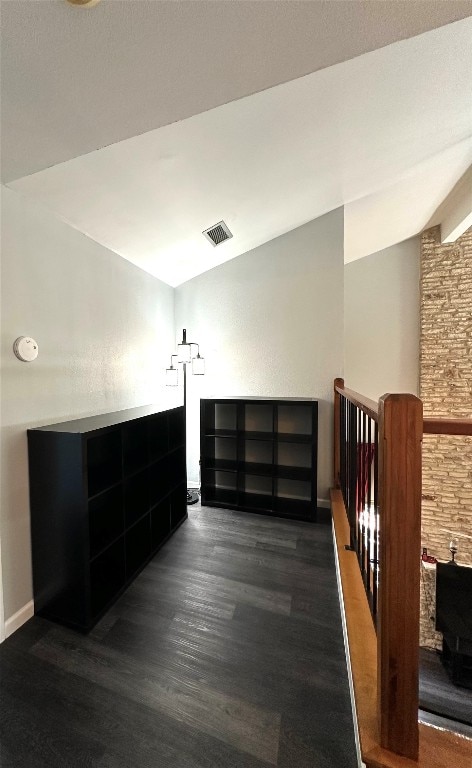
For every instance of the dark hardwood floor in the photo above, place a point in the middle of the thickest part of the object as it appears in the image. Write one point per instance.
(226, 651)
(439, 696)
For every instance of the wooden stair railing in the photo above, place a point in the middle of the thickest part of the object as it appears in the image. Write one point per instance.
(400, 436)
(437, 748)
(438, 426)
(385, 666)
(399, 419)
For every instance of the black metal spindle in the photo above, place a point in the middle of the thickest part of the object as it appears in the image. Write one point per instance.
(358, 477)
(376, 518)
(359, 491)
(364, 459)
(353, 473)
(368, 506)
(342, 445)
(346, 453)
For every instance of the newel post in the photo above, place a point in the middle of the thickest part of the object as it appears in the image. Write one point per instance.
(400, 436)
(337, 435)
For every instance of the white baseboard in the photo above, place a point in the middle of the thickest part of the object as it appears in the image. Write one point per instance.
(324, 503)
(19, 618)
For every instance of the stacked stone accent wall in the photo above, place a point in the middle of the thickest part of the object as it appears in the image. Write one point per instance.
(446, 390)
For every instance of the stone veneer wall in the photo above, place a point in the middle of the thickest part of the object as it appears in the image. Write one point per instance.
(446, 390)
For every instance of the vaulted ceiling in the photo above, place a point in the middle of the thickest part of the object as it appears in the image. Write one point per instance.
(142, 123)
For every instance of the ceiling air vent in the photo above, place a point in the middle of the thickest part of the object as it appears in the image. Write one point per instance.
(218, 233)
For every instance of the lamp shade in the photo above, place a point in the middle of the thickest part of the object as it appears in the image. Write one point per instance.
(184, 352)
(172, 377)
(198, 365)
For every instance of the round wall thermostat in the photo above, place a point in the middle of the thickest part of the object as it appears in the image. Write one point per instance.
(26, 349)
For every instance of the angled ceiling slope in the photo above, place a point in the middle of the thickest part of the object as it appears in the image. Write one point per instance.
(75, 80)
(386, 134)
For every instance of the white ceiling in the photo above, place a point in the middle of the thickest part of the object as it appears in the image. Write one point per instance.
(77, 79)
(387, 133)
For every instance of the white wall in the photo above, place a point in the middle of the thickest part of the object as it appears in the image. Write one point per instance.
(270, 323)
(105, 331)
(382, 321)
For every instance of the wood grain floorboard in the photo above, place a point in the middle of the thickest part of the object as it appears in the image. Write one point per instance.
(166, 606)
(227, 650)
(231, 662)
(266, 570)
(27, 713)
(319, 743)
(154, 684)
(438, 694)
(72, 714)
(200, 583)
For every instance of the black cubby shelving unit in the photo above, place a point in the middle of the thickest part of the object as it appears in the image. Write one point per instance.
(260, 455)
(106, 492)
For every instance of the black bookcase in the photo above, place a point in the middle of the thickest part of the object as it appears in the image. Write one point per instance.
(105, 492)
(260, 455)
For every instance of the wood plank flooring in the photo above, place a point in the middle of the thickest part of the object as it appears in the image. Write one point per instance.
(226, 651)
(438, 695)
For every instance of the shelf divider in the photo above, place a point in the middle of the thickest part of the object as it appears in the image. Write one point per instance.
(257, 422)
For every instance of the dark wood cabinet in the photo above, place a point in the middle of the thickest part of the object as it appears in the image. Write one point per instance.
(260, 455)
(105, 492)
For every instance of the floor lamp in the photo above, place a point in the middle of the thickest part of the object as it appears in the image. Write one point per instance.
(185, 356)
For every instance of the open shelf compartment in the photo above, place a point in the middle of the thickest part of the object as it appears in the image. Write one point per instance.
(264, 458)
(105, 493)
(294, 419)
(106, 520)
(259, 417)
(104, 461)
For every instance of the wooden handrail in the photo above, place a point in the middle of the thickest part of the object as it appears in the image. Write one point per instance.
(431, 425)
(438, 426)
(400, 427)
(370, 407)
(437, 748)
(399, 419)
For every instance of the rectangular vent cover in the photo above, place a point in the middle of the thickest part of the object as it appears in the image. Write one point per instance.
(218, 233)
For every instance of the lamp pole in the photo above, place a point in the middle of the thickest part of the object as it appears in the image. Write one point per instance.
(184, 341)
(185, 356)
(185, 389)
